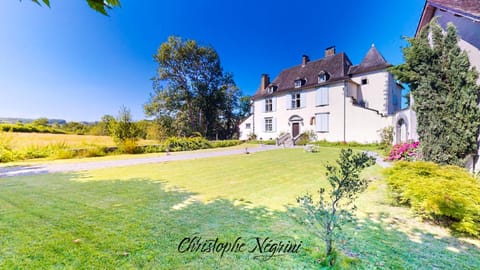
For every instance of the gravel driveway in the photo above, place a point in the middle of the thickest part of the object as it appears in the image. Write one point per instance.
(90, 165)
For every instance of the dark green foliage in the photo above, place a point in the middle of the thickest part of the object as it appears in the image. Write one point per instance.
(77, 128)
(307, 137)
(225, 143)
(445, 95)
(266, 142)
(175, 144)
(447, 194)
(40, 122)
(29, 128)
(124, 129)
(101, 6)
(244, 106)
(192, 93)
(335, 207)
(104, 127)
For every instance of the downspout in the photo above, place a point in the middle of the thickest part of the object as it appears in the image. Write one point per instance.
(252, 109)
(344, 110)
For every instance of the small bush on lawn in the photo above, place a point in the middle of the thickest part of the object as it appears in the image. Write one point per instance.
(129, 146)
(404, 151)
(445, 194)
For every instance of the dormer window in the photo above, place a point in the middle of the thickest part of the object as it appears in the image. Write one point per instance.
(271, 88)
(299, 83)
(323, 77)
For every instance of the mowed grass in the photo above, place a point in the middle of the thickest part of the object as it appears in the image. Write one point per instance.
(19, 140)
(135, 217)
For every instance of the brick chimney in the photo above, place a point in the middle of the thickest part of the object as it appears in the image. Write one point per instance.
(265, 81)
(330, 51)
(305, 60)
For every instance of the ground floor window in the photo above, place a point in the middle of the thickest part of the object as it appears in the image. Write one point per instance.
(269, 124)
(321, 122)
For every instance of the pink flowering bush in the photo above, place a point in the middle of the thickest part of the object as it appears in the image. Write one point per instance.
(404, 151)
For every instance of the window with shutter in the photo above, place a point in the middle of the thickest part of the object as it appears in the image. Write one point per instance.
(322, 96)
(321, 122)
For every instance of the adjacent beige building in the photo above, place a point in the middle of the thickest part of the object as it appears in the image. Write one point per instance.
(465, 15)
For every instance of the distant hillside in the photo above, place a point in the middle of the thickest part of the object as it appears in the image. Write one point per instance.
(13, 120)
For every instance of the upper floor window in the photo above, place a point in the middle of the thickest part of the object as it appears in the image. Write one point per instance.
(271, 89)
(248, 125)
(321, 122)
(268, 105)
(364, 81)
(296, 101)
(322, 96)
(323, 77)
(299, 83)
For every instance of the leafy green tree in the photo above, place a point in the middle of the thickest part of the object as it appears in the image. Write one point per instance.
(336, 207)
(101, 6)
(124, 128)
(192, 93)
(43, 121)
(445, 94)
(244, 106)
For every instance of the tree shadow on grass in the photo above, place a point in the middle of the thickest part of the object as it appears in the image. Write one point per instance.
(65, 220)
(382, 243)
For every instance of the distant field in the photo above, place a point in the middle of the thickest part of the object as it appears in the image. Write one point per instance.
(19, 140)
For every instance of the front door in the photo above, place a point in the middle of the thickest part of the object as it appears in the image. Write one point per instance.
(295, 129)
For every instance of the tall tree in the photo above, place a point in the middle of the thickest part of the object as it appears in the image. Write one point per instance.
(244, 106)
(101, 6)
(192, 93)
(445, 94)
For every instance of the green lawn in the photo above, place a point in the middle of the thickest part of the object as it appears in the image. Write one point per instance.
(135, 217)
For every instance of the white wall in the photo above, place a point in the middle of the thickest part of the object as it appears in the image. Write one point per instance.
(246, 128)
(346, 121)
(376, 92)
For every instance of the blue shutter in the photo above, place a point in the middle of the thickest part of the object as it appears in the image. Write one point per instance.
(274, 104)
(303, 100)
(288, 98)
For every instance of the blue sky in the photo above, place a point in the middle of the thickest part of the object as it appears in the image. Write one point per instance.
(72, 63)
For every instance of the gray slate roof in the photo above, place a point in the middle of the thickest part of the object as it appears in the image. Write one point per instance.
(372, 61)
(338, 67)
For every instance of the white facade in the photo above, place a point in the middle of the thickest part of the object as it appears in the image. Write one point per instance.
(355, 109)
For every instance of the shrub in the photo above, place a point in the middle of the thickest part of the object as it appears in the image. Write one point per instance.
(335, 208)
(307, 137)
(175, 144)
(404, 151)
(225, 143)
(386, 135)
(325, 143)
(266, 142)
(446, 194)
(129, 146)
(29, 128)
